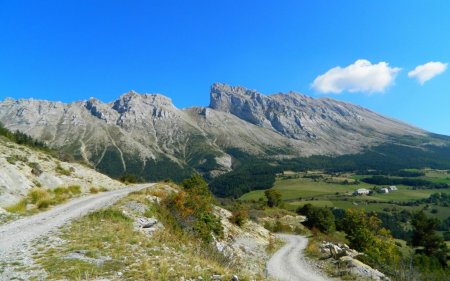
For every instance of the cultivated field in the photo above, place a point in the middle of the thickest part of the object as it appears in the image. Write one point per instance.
(336, 190)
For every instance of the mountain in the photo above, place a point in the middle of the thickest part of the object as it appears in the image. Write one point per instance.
(146, 135)
(321, 126)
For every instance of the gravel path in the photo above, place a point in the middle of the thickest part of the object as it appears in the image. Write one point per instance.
(16, 237)
(289, 264)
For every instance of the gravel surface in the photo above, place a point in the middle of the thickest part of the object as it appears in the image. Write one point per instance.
(16, 237)
(289, 264)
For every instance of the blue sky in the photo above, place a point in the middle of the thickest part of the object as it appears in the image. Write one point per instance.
(72, 50)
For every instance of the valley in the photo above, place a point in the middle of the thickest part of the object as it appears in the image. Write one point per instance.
(336, 190)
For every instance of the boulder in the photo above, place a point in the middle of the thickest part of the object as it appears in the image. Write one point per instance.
(147, 225)
(153, 199)
(359, 268)
(36, 169)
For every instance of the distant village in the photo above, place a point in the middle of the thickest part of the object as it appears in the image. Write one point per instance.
(365, 191)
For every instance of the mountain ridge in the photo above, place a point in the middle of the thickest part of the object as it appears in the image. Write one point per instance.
(147, 134)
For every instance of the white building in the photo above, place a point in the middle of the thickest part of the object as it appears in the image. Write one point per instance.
(392, 188)
(361, 191)
(384, 190)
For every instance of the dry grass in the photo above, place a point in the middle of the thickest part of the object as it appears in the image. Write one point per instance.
(43, 198)
(168, 255)
(37, 194)
(18, 208)
(61, 171)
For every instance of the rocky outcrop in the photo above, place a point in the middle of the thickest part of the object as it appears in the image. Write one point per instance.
(247, 243)
(345, 257)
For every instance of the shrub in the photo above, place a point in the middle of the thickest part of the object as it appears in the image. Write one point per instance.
(109, 214)
(130, 178)
(320, 218)
(74, 189)
(93, 190)
(43, 203)
(37, 194)
(281, 227)
(278, 226)
(60, 170)
(273, 198)
(239, 217)
(365, 234)
(60, 191)
(425, 235)
(11, 159)
(193, 209)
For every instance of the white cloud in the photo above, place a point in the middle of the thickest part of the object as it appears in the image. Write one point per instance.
(361, 76)
(425, 72)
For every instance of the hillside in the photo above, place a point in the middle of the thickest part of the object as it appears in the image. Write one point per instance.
(143, 237)
(23, 168)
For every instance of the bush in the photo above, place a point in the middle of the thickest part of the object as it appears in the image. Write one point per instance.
(37, 194)
(364, 232)
(74, 189)
(195, 181)
(425, 235)
(278, 226)
(43, 203)
(130, 178)
(109, 214)
(193, 209)
(93, 190)
(61, 171)
(316, 217)
(273, 198)
(239, 217)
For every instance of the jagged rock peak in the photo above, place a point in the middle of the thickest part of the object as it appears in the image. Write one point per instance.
(225, 97)
(153, 99)
(221, 88)
(134, 99)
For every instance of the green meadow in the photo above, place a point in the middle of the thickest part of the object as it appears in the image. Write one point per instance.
(326, 190)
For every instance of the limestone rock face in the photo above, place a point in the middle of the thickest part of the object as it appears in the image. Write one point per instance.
(140, 133)
(300, 117)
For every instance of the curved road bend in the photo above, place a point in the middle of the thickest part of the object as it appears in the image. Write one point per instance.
(289, 264)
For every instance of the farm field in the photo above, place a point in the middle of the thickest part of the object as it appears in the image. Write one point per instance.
(325, 190)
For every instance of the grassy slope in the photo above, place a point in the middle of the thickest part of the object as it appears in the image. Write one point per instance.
(167, 255)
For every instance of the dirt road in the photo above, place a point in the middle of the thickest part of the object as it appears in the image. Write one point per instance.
(289, 264)
(15, 235)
